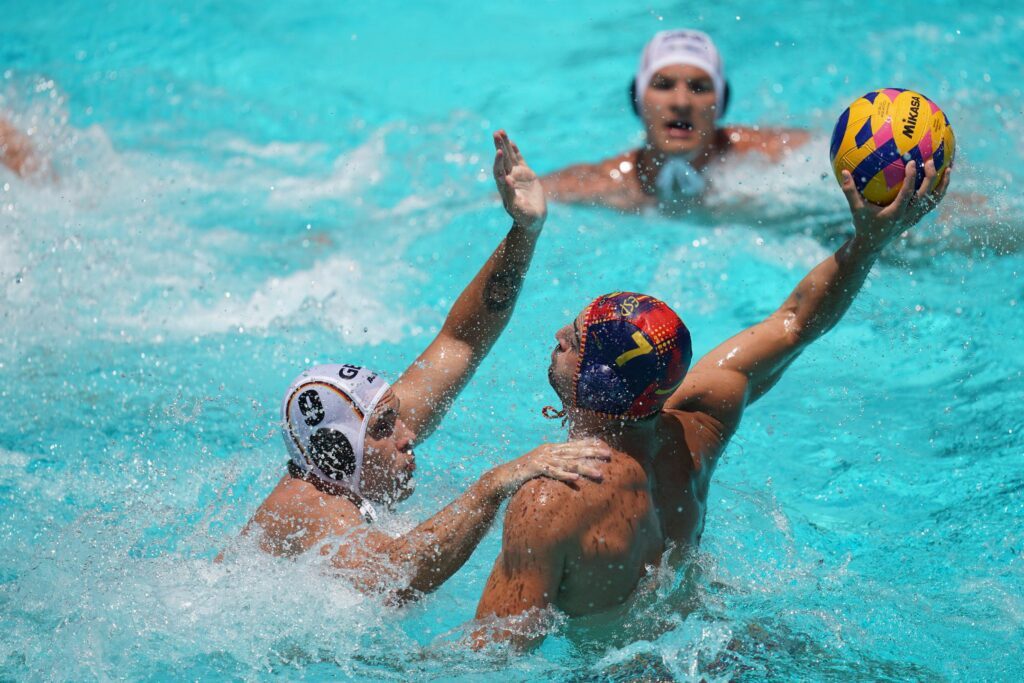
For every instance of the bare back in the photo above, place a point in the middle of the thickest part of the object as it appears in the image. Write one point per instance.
(600, 539)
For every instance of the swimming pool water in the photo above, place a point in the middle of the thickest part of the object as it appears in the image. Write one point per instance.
(245, 189)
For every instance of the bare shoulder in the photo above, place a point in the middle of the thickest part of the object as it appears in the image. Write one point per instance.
(296, 517)
(775, 143)
(545, 509)
(613, 181)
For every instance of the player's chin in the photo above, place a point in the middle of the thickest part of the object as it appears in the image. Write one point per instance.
(679, 147)
(404, 486)
(561, 387)
(553, 377)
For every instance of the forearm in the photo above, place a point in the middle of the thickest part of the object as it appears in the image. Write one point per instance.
(438, 547)
(761, 353)
(485, 306)
(825, 294)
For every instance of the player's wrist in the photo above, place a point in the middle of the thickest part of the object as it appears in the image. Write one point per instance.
(864, 245)
(532, 224)
(497, 484)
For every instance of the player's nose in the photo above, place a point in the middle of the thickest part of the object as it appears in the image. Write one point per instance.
(681, 99)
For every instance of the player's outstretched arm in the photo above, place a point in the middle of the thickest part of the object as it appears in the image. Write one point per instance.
(423, 559)
(575, 184)
(745, 367)
(431, 383)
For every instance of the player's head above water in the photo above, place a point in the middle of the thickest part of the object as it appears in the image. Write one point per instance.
(622, 357)
(341, 426)
(680, 91)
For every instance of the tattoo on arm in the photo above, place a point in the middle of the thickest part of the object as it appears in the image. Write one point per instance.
(502, 289)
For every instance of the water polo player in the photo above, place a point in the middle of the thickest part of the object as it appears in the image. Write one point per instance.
(621, 371)
(350, 435)
(680, 93)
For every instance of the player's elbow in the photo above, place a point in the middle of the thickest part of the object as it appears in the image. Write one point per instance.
(790, 329)
(796, 336)
(463, 333)
(462, 344)
(416, 576)
(396, 568)
(420, 585)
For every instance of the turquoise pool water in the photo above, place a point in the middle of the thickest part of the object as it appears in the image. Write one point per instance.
(246, 189)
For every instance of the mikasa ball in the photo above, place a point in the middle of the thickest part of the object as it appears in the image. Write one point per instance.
(883, 131)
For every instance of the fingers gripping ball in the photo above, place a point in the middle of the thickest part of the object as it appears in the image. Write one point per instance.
(881, 132)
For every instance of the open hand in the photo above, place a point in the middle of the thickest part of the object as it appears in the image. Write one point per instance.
(876, 225)
(520, 189)
(567, 462)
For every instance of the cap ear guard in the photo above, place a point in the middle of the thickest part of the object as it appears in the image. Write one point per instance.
(601, 389)
(635, 103)
(332, 452)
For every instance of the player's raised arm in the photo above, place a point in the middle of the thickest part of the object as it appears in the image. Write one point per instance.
(431, 383)
(745, 367)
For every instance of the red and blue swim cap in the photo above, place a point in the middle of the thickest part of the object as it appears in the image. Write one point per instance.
(634, 352)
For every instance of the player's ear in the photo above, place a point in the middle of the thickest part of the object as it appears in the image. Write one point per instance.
(632, 97)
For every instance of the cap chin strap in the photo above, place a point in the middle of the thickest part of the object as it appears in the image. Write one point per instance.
(552, 413)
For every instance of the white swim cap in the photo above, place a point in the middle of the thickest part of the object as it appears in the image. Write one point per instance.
(682, 46)
(325, 414)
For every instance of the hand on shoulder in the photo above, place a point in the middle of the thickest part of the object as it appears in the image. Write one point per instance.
(567, 462)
